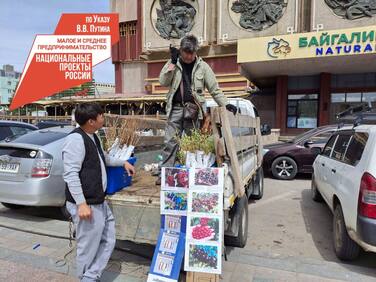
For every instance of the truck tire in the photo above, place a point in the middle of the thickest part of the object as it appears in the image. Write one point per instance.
(258, 185)
(315, 193)
(240, 215)
(284, 168)
(344, 247)
(12, 206)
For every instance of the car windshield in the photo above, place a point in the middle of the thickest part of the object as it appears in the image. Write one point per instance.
(40, 138)
(304, 135)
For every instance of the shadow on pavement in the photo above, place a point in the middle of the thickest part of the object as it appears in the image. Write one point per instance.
(40, 214)
(318, 222)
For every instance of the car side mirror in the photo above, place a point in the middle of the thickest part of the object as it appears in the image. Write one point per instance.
(308, 143)
(316, 151)
(265, 129)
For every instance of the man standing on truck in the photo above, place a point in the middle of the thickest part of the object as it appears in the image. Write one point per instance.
(187, 76)
(85, 174)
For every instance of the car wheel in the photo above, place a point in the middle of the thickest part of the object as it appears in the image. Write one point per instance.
(284, 168)
(258, 188)
(344, 247)
(315, 193)
(241, 216)
(12, 206)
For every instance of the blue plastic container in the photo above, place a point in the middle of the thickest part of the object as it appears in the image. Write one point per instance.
(118, 178)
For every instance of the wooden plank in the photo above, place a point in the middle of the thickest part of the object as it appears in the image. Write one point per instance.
(201, 277)
(218, 140)
(244, 142)
(241, 121)
(216, 119)
(231, 150)
(259, 142)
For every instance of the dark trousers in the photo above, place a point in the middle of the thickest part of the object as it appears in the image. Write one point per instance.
(176, 126)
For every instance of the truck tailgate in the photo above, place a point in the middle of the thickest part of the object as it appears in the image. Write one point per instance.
(137, 211)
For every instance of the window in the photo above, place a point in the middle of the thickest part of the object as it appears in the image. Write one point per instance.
(338, 97)
(329, 146)
(40, 138)
(17, 130)
(4, 132)
(302, 111)
(355, 149)
(340, 147)
(127, 28)
(322, 137)
(369, 97)
(353, 97)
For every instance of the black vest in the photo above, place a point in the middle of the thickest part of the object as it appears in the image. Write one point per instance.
(91, 172)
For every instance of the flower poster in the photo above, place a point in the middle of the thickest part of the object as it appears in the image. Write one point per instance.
(203, 246)
(204, 229)
(205, 203)
(204, 258)
(210, 178)
(173, 178)
(174, 203)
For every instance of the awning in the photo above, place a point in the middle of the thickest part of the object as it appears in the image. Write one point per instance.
(117, 98)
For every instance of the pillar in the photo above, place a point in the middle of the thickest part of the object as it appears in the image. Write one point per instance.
(324, 99)
(281, 102)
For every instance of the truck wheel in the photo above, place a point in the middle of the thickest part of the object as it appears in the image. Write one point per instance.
(344, 247)
(315, 193)
(240, 215)
(284, 168)
(12, 206)
(258, 188)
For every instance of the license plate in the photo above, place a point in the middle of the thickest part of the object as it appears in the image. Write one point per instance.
(9, 168)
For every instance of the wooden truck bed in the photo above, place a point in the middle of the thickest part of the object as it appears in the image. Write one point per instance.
(137, 208)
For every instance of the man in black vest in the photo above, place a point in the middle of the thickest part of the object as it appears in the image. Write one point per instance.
(85, 175)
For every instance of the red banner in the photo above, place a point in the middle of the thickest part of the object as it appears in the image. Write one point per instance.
(65, 59)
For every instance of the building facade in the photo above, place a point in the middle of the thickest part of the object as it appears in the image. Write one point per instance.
(310, 58)
(8, 82)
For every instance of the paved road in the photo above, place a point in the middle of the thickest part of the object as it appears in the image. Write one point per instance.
(289, 240)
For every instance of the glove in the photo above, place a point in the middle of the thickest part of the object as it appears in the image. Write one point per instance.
(232, 108)
(174, 52)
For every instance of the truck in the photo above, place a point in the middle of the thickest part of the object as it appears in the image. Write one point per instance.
(238, 149)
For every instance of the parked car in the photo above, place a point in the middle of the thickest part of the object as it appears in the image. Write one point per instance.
(51, 123)
(285, 160)
(345, 177)
(31, 169)
(14, 128)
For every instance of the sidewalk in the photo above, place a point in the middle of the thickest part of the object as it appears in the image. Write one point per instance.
(17, 272)
(20, 262)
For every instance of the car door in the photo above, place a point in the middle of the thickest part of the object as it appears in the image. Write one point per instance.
(351, 174)
(320, 166)
(317, 140)
(334, 165)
